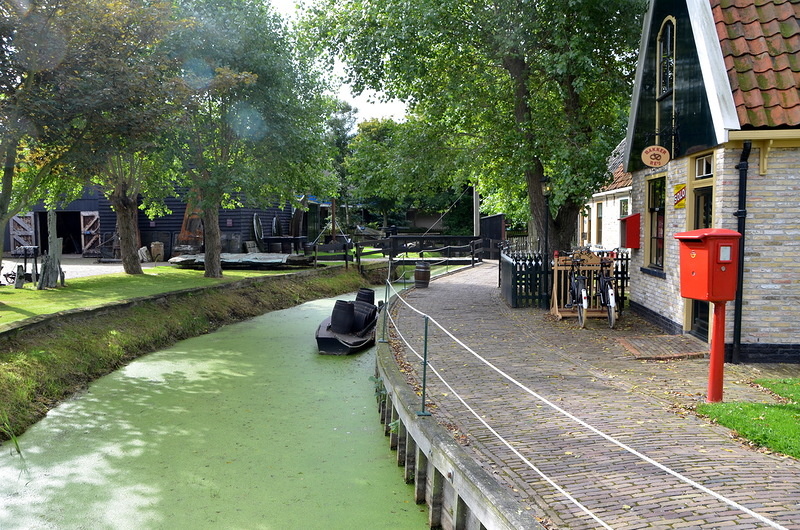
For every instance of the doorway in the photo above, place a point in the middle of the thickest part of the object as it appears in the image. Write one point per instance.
(703, 216)
(68, 228)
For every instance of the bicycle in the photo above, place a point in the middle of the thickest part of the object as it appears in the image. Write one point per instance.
(607, 288)
(578, 297)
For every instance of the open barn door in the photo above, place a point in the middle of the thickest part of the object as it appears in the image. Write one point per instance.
(90, 234)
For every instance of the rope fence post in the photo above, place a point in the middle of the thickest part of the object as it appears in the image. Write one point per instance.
(386, 305)
(423, 412)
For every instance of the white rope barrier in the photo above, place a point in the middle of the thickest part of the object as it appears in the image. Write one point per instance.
(607, 437)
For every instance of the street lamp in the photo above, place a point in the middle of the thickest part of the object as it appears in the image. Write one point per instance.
(546, 190)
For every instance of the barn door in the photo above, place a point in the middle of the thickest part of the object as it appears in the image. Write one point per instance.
(22, 231)
(90, 233)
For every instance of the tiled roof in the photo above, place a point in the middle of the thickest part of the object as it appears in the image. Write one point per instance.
(761, 45)
(616, 167)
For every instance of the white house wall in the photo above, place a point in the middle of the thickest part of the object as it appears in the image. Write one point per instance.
(611, 233)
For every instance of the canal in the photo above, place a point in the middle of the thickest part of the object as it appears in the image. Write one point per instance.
(247, 427)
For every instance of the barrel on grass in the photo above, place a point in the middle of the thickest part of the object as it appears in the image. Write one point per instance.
(422, 274)
(342, 317)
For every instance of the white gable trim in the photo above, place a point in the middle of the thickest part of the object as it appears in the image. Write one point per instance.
(715, 74)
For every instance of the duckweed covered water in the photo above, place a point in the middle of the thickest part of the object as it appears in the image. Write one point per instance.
(247, 427)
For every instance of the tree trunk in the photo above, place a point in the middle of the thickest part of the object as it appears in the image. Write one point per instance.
(9, 154)
(127, 224)
(51, 264)
(534, 172)
(213, 242)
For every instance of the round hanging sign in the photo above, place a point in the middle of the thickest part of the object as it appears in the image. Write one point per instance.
(655, 156)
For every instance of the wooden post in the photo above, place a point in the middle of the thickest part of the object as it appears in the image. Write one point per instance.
(420, 477)
(411, 459)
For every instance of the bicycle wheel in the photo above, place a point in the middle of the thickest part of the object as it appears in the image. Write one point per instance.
(611, 306)
(580, 288)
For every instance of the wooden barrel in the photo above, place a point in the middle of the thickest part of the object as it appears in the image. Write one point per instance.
(422, 274)
(366, 295)
(363, 315)
(342, 317)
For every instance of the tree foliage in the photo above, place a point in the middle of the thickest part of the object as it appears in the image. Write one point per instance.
(532, 89)
(251, 127)
(394, 166)
(59, 84)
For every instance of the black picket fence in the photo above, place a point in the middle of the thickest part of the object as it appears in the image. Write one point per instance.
(526, 278)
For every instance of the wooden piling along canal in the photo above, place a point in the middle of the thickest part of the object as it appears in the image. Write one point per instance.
(459, 493)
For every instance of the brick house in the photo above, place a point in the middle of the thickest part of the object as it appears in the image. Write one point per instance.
(717, 93)
(600, 224)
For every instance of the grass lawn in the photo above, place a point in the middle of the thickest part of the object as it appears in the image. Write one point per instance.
(19, 304)
(773, 426)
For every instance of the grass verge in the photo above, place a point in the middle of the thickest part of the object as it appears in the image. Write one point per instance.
(773, 426)
(19, 304)
(40, 368)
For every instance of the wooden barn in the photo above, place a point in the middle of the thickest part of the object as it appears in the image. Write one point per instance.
(87, 227)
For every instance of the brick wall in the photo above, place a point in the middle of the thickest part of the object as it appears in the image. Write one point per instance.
(771, 307)
(659, 290)
(771, 312)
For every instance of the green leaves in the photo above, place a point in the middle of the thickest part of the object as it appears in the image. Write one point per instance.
(525, 86)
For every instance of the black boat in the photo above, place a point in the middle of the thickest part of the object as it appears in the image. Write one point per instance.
(351, 326)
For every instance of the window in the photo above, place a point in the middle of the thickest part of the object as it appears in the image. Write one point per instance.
(656, 200)
(666, 58)
(599, 210)
(703, 168)
(623, 208)
(703, 191)
(665, 86)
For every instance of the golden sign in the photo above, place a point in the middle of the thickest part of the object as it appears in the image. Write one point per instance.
(655, 156)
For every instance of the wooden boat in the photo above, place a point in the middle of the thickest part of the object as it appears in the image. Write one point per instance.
(251, 260)
(351, 326)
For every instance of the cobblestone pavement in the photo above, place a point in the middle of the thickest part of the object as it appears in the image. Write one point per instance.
(684, 472)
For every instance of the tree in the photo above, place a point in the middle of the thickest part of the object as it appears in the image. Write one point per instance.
(124, 143)
(71, 72)
(402, 165)
(536, 89)
(252, 122)
(340, 133)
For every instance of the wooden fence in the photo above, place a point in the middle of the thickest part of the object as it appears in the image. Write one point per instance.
(524, 279)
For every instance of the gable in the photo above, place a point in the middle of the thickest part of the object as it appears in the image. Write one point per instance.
(700, 102)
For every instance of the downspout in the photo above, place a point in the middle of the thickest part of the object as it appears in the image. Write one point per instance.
(740, 214)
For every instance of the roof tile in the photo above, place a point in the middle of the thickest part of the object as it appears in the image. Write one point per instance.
(760, 41)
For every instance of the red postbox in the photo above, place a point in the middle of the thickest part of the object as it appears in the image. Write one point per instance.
(709, 264)
(709, 271)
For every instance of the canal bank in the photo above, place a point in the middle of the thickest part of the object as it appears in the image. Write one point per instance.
(459, 493)
(47, 358)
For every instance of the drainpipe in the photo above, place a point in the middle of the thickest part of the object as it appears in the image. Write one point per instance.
(740, 214)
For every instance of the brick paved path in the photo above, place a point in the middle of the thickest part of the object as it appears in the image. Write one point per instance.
(592, 375)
